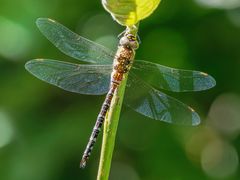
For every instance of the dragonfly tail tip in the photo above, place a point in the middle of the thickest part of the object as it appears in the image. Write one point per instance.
(83, 163)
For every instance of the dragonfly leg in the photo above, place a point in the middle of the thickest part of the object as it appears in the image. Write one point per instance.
(121, 34)
(139, 39)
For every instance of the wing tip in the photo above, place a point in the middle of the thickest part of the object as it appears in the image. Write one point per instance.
(40, 21)
(213, 81)
(29, 63)
(210, 81)
(196, 120)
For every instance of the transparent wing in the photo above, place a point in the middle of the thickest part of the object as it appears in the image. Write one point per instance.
(171, 79)
(156, 105)
(79, 78)
(72, 44)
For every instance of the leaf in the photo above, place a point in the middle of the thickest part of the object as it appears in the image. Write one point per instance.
(130, 12)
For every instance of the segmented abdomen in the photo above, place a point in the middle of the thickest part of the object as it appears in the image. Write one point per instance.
(122, 64)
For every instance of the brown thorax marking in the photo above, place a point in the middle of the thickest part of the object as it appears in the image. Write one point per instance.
(124, 56)
(124, 59)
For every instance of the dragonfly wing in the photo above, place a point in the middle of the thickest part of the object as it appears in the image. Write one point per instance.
(156, 105)
(171, 79)
(74, 45)
(78, 78)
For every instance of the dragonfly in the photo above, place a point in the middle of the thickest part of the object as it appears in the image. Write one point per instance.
(104, 70)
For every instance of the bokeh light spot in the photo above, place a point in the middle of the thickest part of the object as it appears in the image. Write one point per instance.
(219, 159)
(234, 16)
(6, 130)
(15, 40)
(221, 4)
(224, 114)
(197, 142)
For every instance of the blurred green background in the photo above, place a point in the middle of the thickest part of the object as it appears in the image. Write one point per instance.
(44, 130)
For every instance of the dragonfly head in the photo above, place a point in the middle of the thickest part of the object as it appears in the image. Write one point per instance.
(129, 41)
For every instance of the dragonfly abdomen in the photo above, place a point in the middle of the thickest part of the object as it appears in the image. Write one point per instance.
(98, 125)
(122, 64)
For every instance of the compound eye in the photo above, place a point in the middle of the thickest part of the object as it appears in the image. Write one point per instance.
(133, 41)
(124, 40)
(129, 41)
(131, 38)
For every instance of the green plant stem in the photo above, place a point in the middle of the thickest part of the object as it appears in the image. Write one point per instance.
(109, 132)
(110, 126)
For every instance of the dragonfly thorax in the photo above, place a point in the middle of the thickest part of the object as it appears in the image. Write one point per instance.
(123, 59)
(129, 41)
